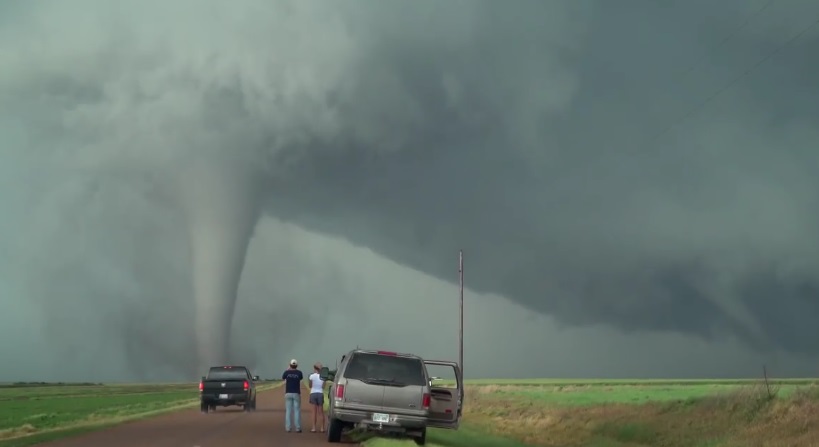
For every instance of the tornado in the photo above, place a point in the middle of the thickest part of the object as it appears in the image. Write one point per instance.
(221, 208)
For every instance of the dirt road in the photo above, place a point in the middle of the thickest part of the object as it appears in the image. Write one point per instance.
(227, 427)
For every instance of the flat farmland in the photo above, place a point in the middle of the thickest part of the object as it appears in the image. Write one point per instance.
(47, 411)
(497, 413)
(633, 413)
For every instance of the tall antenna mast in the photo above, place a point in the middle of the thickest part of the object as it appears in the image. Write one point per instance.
(461, 316)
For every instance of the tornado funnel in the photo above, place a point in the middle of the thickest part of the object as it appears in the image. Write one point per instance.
(221, 211)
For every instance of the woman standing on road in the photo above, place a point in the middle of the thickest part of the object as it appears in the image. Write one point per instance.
(317, 397)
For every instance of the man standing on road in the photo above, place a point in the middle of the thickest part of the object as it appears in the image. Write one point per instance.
(292, 396)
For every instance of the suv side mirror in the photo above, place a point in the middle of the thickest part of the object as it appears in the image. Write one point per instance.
(255, 378)
(326, 374)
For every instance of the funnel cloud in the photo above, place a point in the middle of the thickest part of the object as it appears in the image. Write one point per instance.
(221, 209)
(195, 182)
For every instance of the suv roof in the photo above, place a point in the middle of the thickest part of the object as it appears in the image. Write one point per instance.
(383, 352)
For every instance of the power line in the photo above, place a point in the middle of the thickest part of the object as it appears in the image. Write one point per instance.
(731, 83)
(731, 35)
(725, 40)
(693, 111)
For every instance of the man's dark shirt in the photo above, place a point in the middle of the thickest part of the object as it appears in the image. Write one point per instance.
(292, 381)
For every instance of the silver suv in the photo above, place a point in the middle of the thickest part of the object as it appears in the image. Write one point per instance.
(392, 394)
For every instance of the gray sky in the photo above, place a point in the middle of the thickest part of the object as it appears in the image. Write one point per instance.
(389, 135)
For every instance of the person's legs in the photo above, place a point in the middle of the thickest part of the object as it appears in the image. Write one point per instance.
(321, 412)
(312, 407)
(315, 402)
(297, 410)
(315, 416)
(315, 411)
(288, 410)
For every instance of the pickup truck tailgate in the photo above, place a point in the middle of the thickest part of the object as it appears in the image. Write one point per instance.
(217, 388)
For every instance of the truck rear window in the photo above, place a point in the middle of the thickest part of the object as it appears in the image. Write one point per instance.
(227, 374)
(406, 370)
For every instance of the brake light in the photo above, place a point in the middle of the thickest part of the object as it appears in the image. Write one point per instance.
(387, 353)
(246, 385)
(425, 403)
(339, 391)
(201, 386)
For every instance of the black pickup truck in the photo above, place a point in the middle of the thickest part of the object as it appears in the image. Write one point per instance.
(226, 386)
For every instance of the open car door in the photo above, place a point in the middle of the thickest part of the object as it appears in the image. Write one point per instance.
(445, 401)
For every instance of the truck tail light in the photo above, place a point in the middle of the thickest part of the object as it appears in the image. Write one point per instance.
(339, 391)
(425, 403)
(201, 386)
(246, 385)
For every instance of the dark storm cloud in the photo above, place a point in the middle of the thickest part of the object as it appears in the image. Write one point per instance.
(582, 212)
(519, 131)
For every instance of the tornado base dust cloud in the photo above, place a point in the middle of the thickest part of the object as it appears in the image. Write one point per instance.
(221, 213)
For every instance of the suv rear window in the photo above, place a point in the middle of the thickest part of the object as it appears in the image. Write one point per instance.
(406, 370)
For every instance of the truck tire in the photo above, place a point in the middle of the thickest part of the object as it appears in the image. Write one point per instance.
(334, 430)
(421, 440)
(253, 405)
(203, 407)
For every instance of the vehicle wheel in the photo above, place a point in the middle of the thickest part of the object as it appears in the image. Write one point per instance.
(253, 406)
(246, 407)
(421, 440)
(203, 408)
(334, 430)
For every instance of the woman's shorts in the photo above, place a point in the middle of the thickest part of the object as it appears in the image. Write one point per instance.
(317, 398)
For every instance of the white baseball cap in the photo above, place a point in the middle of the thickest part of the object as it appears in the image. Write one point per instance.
(294, 362)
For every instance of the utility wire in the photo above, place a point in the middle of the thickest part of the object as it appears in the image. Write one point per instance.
(731, 83)
(731, 34)
(606, 67)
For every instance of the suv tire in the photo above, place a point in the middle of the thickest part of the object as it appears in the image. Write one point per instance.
(334, 430)
(421, 440)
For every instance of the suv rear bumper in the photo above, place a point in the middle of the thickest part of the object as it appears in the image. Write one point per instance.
(399, 423)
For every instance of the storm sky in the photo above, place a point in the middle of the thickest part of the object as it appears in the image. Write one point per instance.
(634, 183)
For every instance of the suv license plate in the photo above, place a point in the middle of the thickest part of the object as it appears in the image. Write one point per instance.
(223, 396)
(381, 417)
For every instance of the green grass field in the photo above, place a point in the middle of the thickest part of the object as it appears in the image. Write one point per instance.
(621, 413)
(38, 412)
(619, 382)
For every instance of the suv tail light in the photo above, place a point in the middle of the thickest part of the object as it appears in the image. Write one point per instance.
(425, 403)
(246, 385)
(339, 391)
(201, 386)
